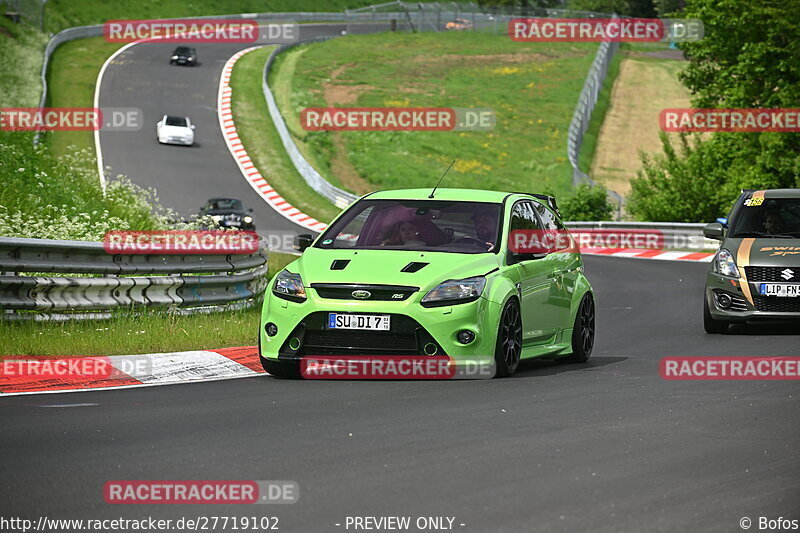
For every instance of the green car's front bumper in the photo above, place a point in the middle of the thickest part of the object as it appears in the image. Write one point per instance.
(415, 329)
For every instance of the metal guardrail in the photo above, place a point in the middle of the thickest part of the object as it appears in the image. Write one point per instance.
(339, 197)
(675, 235)
(187, 283)
(583, 115)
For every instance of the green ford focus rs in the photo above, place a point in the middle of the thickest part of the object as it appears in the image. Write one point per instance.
(421, 273)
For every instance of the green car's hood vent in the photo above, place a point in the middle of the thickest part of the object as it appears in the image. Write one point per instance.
(414, 266)
(395, 267)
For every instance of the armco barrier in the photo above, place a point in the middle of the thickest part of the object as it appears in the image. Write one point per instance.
(676, 235)
(583, 114)
(188, 283)
(340, 198)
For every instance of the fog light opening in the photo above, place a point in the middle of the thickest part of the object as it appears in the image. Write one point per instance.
(465, 336)
(431, 349)
(294, 343)
(724, 301)
(271, 329)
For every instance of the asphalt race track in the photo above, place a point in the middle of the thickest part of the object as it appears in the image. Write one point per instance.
(606, 446)
(185, 177)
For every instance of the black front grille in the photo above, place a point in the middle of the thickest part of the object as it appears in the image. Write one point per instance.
(776, 304)
(337, 291)
(760, 273)
(406, 337)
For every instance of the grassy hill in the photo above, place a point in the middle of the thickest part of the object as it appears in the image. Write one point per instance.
(533, 89)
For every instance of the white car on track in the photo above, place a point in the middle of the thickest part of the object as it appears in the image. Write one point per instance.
(175, 130)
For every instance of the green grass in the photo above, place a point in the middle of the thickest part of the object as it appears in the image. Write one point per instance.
(589, 145)
(532, 88)
(21, 49)
(72, 75)
(259, 135)
(135, 333)
(46, 197)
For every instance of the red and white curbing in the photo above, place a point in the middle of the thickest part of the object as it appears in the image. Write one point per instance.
(246, 165)
(157, 369)
(642, 253)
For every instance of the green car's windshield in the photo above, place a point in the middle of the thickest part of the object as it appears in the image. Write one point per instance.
(771, 218)
(421, 225)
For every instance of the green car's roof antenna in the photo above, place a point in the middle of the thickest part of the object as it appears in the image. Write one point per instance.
(440, 179)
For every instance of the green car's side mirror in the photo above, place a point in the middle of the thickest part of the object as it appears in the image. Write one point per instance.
(302, 241)
(715, 231)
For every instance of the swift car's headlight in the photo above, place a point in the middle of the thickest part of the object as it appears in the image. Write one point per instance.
(725, 265)
(248, 219)
(174, 57)
(216, 218)
(455, 291)
(289, 287)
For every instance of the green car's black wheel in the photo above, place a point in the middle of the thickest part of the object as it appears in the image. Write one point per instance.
(711, 324)
(281, 369)
(509, 340)
(582, 332)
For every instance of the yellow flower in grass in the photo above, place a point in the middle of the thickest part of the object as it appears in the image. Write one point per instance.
(470, 165)
(505, 71)
(397, 103)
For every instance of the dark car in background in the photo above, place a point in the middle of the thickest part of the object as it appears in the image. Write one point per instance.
(755, 274)
(184, 55)
(229, 213)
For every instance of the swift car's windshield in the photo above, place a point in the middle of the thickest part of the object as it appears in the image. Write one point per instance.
(772, 217)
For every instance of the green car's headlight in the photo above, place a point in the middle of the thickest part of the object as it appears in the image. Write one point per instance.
(455, 291)
(725, 265)
(289, 287)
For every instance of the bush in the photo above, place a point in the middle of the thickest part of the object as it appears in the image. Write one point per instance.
(700, 181)
(747, 59)
(587, 202)
(48, 198)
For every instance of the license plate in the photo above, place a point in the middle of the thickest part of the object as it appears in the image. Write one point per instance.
(371, 322)
(779, 289)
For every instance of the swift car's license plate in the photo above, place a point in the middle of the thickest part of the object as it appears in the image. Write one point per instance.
(371, 322)
(779, 289)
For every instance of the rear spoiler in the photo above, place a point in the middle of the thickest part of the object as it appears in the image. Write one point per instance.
(549, 200)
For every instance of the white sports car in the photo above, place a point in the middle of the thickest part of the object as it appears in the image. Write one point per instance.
(175, 130)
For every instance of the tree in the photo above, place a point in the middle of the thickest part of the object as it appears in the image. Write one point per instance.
(586, 203)
(747, 59)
